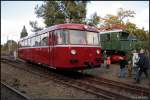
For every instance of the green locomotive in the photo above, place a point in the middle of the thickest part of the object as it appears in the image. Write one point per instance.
(119, 42)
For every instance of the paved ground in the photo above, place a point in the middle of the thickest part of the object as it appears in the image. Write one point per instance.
(113, 74)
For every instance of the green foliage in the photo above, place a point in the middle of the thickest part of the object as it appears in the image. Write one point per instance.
(141, 44)
(94, 20)
(35, 27)
(141, 34)
(56, 12)
(24, 32)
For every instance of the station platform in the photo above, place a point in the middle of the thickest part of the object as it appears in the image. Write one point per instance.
(113, 74)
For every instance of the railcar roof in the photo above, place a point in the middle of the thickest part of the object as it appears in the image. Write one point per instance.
(64, 26)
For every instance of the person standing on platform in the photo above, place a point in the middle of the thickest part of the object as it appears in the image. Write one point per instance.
(123, 63)
(135, 59)
(15, 55)
(143, 65)
(105, 58)
(108, 62)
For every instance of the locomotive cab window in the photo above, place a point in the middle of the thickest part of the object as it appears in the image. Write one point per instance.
(105, 37)
(123, 35)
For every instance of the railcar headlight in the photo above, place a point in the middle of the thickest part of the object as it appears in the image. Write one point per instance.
(85, 26)
(73, 52)
(97, 51)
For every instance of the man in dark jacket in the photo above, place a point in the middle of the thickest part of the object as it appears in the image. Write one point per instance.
(123, 63)
(143, 65)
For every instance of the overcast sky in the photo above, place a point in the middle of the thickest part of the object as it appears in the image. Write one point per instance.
(15, 14)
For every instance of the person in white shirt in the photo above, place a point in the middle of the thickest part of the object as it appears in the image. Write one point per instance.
(135, 59)
(15, 55)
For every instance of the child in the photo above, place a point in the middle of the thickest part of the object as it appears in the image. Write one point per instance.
(105, 58)
(108, 62)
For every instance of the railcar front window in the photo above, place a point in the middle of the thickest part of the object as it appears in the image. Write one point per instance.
(77, 37)
(83, 37)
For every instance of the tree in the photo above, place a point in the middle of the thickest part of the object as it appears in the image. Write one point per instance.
(141, 34)
(9, 47)
(122, 14)
(131, 28)
(35, 27)
(94, 20)
(56, 12)
(24, 32)
(118, 19)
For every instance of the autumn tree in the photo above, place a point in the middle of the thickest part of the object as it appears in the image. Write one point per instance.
(56, 12)
(118, 19)
(24, 32)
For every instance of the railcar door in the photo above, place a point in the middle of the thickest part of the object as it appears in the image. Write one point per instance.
(51, 49)
(44, 50)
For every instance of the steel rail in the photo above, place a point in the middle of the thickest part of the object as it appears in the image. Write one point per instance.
(15, 91)
(119, 86)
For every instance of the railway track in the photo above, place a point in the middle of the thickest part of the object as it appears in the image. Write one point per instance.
(9, 93)
(93, 85)
(132, 89)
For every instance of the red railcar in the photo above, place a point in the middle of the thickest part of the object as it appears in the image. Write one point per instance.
(63, 46)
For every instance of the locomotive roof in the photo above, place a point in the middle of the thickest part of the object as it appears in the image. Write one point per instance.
(110, 31)
(63, 26)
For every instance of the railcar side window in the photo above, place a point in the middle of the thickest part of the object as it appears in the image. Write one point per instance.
(62, 36)
(33, 41)
(29, 42)
(44, 39)
(37, 40)
(26, 42)
(22, 43)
